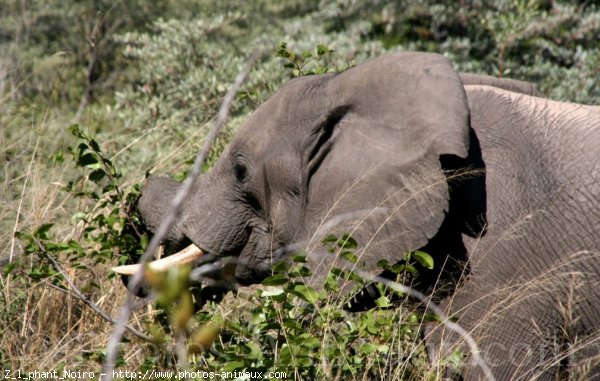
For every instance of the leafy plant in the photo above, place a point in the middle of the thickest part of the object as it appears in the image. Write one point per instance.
(109, 227)
(297, 329)
(305, 63)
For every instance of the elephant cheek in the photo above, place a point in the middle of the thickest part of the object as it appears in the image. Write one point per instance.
(254, 262)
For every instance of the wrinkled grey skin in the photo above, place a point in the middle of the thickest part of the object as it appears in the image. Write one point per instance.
(502, 83)
(374, 151)
(534, 287)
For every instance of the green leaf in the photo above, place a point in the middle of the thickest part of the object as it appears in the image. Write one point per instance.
(367, 348)
(331, 284)
(285, 355)
(383, 264)
(304, 362)
(8, 268)
(276, 294)
(330, 238)
(401, 268)
(23, 236)
(79, 216)
(306, 293)
(310, 341)
(97, 175)
(272, 292)
(299, 271)
(424, 259)
(233, 365)
(87, 160)
(275, 280)
(60, 246)
(58, 158)
(299, 257)
(383, 348)
(76, 131)
(383, 302)
(42, 231)
(280, 267)
(349, 256)
(94, 145)
(255, 352)
(456, 359)
(347, 242)
(282, 50)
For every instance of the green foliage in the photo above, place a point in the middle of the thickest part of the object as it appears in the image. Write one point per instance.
(421, 257)
(299, 63)
(305, 332)
(52, 49)
(109, 227)
(550, 43)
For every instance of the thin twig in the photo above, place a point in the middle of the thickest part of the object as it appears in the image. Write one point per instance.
(14, 232)
(171, 218)
(77, 294)
(182, 354)
(431, 306)
(94, 40)
(198, 274)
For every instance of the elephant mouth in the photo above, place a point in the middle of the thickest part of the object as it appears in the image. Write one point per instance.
(189, 255)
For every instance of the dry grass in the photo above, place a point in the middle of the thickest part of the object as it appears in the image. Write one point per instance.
(551, 334)
(43, 328)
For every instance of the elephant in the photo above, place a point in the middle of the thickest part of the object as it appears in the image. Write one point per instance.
(533, 291)
(494, 182)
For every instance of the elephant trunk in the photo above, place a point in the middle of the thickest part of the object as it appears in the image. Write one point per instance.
(211, 221)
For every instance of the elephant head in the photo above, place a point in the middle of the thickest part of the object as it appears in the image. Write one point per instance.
(372, 151)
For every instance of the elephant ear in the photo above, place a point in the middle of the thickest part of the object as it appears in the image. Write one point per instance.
(373, 157)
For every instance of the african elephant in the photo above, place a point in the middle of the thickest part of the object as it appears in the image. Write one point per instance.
(399, 152)
(533, 292)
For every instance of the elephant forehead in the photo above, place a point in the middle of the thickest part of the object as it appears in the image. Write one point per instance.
(277, 128)
(294, 108)
(262, 136)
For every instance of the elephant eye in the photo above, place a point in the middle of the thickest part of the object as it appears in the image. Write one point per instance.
(240, 172)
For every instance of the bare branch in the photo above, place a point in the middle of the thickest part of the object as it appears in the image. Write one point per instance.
(172, 216)
(77, 294)
(95, 37)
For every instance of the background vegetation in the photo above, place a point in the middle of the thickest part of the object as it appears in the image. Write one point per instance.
(142, 80)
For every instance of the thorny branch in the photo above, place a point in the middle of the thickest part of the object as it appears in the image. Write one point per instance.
(77, 294)
(171, 217)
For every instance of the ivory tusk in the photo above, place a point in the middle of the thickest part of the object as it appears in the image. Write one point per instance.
(187, 255)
